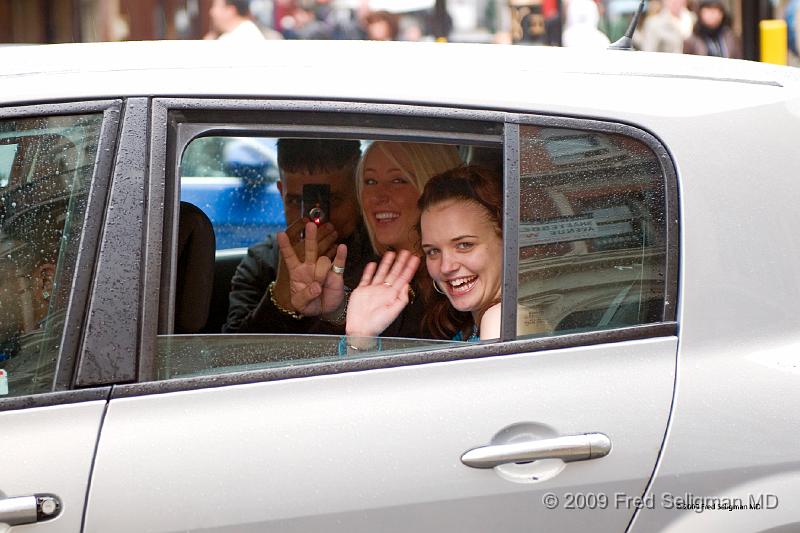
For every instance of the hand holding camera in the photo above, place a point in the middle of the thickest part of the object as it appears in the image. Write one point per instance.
(316, 283)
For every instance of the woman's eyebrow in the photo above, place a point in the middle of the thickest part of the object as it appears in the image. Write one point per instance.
(392, 169)
(463, 237)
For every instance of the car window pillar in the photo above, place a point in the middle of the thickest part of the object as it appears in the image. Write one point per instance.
(511, 188)
(110, 341)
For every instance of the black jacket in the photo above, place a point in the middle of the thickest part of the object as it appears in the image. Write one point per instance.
(252, 311)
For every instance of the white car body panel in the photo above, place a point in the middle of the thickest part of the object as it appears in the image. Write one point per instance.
(379, 450)
(550, 80)
(731, 433)
(50, 450)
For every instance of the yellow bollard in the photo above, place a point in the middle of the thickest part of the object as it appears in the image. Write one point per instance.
(774, 41)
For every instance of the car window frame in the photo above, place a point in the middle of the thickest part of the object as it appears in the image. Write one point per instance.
(165, 113)
(63, 379)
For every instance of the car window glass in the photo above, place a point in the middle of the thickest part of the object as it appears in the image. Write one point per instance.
(592, 232)
(46, 166)
(199, 355)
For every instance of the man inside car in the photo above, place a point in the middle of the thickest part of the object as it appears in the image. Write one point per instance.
(259, 299)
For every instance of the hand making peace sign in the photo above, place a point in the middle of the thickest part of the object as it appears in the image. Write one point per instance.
(316, 284)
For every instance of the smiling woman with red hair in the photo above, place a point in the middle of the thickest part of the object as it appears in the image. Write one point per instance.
(462, 242)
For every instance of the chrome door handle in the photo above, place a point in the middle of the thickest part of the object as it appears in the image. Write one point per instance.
(569, 448)
(29, 509)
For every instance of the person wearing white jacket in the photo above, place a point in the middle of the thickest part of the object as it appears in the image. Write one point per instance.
(231, 21)
(581, 27)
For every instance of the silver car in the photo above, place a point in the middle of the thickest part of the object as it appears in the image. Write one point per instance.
(650, 216)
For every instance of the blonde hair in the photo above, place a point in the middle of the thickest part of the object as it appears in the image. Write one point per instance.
(426, 160)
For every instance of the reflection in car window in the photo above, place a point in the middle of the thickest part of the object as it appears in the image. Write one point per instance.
(8, 152)
(592, 231)
(47, 164)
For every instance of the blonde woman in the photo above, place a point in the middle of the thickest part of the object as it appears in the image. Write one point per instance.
(389, 181)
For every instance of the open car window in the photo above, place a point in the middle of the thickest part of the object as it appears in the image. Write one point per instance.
(591, 234)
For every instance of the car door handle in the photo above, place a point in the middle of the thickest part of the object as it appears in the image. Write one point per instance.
(29, 509)
(568, 449)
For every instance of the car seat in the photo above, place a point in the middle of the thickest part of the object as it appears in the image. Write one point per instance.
(196, 247)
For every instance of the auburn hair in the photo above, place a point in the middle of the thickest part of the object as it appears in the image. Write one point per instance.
(476, 184)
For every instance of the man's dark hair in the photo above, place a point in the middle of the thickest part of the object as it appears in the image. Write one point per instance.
(316, 155)
(242, 6)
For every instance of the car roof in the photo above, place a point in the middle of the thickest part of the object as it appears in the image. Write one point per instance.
(523, 78)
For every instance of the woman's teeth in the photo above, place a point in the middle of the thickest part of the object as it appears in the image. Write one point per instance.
(385, 217)
(462, 285)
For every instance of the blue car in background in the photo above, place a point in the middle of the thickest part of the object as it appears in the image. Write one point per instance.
(233, 180)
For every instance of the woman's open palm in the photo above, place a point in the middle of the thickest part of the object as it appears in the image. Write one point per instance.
(381, 295)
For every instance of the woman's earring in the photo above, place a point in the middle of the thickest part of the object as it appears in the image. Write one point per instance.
(46, 295)
(436, 287)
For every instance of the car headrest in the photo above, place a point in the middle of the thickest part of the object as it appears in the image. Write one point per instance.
(195, 281)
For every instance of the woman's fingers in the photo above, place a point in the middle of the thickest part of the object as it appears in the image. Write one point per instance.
(406, 262)
(383, 269)
(402, 297)
(366, 276)
(409, 269)
(287, 252)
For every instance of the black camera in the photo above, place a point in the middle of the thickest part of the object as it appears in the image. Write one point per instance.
(317, 203)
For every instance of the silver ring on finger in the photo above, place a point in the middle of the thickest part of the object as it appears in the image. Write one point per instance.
(387, 283)
(337, 269)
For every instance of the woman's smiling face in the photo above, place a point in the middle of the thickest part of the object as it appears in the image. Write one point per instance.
(464, 254)
(389, 198)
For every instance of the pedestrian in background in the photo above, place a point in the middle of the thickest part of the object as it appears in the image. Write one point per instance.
(713, 35)
(232, 20)
(580, 30)
(382, 26)
(667, 30)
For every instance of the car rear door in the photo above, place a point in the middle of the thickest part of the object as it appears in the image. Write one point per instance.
(377, 442)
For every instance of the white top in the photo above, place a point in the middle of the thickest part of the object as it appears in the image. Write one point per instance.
(246, 31)
(581, 27)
